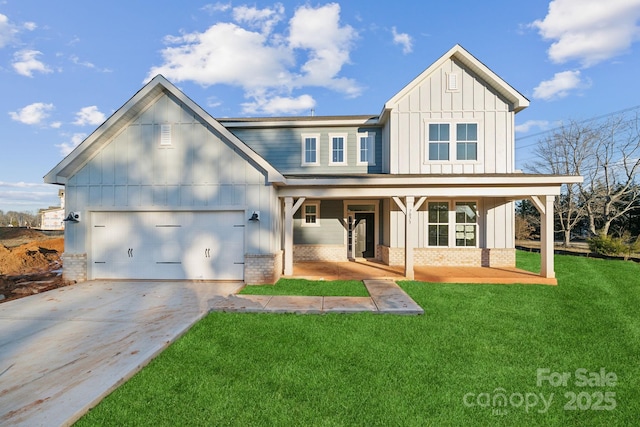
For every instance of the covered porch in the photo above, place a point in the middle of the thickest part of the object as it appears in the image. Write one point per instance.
(409, 193)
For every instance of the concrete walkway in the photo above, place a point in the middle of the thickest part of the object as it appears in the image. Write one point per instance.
(385, 297)
(62, 351)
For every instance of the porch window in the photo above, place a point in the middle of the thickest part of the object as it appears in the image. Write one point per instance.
(338, 150)
(311, 214)
(366, 148)
(438, 223)
(310, 150)
(466, 141)
(466, 223)
(438, 141)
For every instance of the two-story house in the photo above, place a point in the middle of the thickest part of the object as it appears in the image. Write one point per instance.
(162, 190)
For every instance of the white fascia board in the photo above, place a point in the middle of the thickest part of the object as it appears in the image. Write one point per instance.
(438, 180)
(511, 192)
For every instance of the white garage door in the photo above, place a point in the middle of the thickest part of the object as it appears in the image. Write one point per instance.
(167, 245)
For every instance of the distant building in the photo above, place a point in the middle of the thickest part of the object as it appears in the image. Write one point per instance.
(53, 218)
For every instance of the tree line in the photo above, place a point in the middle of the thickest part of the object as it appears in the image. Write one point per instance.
(606, 153)
(19, 219)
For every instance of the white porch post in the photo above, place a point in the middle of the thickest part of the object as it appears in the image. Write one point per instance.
(289, 210)
(547, 238)
(409, 240)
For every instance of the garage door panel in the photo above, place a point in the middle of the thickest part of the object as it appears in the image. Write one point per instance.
(168, 245)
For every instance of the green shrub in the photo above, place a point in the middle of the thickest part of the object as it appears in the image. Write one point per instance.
(607, 245)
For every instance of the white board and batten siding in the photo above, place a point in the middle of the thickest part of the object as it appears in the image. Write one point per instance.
(431, 102)
(136, 177)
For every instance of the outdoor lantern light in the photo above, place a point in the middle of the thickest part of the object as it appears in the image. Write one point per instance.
(255, 216)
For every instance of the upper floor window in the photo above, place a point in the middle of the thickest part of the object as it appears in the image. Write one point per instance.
(366, 148)
(466, 141)
(311, 214)
(338, 149)
(310, 146)
(441, 138)
(439, 141)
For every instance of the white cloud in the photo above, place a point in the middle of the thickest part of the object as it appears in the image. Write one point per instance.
(33, 114)
(280, 105)
(25, 63)
(318, 31)
(263, 19)
(67, 147)
(30, 26)
(250, 54)
(589, 31)
(216, 7)
(89, 116)
(7, 31)
(531, 124)
(559, 86)
(403, 39)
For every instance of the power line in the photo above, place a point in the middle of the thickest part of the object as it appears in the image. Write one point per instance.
(580, 122)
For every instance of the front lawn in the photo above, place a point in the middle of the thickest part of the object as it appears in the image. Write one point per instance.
(347, 288)
(452, 366)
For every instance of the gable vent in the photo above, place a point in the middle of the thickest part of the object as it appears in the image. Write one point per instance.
(452, 81)
(165, 134)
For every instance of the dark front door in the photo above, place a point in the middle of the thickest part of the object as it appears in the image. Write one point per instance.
(363, 236)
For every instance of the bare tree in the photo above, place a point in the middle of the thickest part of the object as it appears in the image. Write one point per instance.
(568, 151)
(607, 155)
(609, 190)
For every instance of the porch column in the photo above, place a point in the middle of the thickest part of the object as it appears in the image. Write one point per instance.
(547, 238)
(409, 239)
(289, 210)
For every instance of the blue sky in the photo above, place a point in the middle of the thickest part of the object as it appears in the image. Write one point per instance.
(66, 66)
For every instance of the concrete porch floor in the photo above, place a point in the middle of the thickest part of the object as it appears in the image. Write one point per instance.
(366, 269)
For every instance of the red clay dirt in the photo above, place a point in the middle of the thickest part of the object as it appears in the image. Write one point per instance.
(30, 262)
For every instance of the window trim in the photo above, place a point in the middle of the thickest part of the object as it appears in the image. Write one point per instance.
(453, 140)
(448, 224)
(303, 141)
(456, 223)
(303, 218)
(371, 148)
(345, 146)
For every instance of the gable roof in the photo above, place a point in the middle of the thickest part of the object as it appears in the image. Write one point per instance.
(128, 112)
(461, 55)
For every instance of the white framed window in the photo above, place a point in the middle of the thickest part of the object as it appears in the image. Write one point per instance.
(466, 224)
(310, 149)
(311, 214)
(457, 141)
(439, 141)
(338, 149)
(467, 141)
(366, 148)
(438, 223)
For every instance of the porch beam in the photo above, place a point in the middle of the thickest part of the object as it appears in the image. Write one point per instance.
(515, 192)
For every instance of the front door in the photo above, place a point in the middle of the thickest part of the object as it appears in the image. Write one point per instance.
(363, 235)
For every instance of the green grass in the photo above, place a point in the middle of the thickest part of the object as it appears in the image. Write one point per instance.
(349, 288)
(380, 370)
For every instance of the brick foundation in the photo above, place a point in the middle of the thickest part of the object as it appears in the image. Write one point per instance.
(74, 267)
(451, 257)
(319, 253)
(262, 269)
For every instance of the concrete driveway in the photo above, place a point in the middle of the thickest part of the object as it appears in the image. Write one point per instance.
(62, 351)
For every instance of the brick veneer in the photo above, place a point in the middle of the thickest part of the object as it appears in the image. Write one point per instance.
(462, 257)
(319, 253)
(74, 267)
(262, 269)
